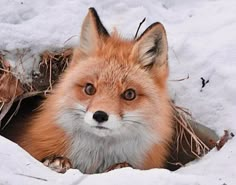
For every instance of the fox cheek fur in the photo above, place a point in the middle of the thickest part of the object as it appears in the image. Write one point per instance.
(137, 131)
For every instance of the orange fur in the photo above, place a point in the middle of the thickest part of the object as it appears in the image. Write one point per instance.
(112, 66)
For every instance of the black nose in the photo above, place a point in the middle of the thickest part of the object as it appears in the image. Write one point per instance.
(100, 116)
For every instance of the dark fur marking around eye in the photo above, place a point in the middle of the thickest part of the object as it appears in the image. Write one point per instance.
(101, 29)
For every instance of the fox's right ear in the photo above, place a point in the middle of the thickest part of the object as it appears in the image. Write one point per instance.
(151, 51)
(92, 33)
(151, 47)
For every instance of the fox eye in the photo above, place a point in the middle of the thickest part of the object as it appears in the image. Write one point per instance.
(129, 94)
(89, 89)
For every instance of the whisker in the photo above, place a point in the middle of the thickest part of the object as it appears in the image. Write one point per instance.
(77, 110)
(76, 100)
(78, 115)
(132, 121)
(131, 116)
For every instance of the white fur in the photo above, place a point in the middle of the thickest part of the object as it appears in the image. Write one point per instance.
(94, 150)
(145, 57)
(86, 39)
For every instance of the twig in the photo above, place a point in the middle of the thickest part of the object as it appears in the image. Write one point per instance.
(70, 38)
(184, 110)
(4, 112)
(204, 82)
(224, 139)
(13, 114)
(50, 73)
(7, 106)
(28, 94)
(5, 70)
(181, 79)
(177, 163)
(177, 58)
(30, 176)
(140, 24)
(80, 180)
(2, 104)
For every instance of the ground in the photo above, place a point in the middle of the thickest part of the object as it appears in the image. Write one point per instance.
(202, 45)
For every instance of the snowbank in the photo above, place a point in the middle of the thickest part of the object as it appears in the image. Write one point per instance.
(18, 166)
(202, 44)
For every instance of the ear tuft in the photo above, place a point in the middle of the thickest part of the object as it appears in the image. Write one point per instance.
(92, 33)
(151, 47)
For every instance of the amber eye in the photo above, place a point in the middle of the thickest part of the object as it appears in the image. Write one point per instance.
(129, 94)
(89, 89)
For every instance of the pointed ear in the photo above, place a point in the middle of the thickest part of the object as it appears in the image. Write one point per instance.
(93, 32)
(151, 47)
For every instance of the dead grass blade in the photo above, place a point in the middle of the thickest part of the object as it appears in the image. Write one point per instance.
(183, 126)
(52, 64)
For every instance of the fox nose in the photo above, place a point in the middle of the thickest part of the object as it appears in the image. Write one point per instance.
(100, 116)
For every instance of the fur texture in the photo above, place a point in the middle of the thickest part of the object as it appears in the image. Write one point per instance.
(138, 131)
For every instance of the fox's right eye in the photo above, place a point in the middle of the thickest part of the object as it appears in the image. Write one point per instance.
(129, 94)
(89, 89)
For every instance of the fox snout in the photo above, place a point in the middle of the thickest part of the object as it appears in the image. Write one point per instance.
(101, 119)
(100, 116)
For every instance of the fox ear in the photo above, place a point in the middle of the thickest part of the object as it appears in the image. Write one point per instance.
(93, 32)
(151, 47)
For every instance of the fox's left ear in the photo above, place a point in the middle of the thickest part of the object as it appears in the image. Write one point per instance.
(151, 48)
(93, 33)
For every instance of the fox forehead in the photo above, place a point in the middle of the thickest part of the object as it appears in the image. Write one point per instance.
(116, 48)
(112, 62)
(112, 74)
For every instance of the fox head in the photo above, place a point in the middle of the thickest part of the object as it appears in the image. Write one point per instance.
(115, 86)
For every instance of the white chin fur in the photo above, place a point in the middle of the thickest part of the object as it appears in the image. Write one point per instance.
(94, 150)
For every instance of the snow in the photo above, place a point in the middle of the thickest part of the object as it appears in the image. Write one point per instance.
(202, 43)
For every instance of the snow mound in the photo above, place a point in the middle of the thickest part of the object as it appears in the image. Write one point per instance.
(202, 45)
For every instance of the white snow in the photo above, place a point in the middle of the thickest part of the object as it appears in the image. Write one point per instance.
(202, 43)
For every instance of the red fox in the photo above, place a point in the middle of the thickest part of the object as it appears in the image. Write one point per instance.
(110, 106)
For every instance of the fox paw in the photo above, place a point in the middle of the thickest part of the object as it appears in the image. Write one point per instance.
(59, 164)
(118, 166)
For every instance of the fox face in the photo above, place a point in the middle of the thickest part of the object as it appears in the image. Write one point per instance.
(111, 98)
(113, 101)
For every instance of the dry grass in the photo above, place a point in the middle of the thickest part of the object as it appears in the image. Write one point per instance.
(52, 64)
(10, 88)
(186, 134)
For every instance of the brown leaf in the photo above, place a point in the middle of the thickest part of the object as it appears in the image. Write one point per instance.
(224, 139)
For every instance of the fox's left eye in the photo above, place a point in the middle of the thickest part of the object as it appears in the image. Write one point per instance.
(89, 89)
(129, 94)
